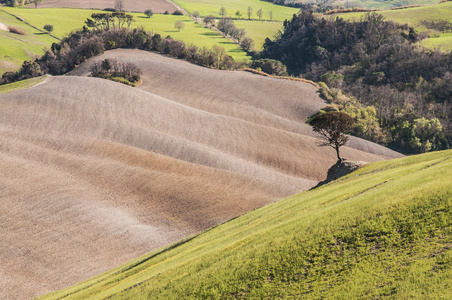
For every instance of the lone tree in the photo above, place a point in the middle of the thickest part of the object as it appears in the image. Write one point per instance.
(179, 25)
(250, 11)
(333, 127)
(222, 12)
(48, 28)
(36, 3)
(209, 19)
(259, 13)
(149, 13)
(196, 14)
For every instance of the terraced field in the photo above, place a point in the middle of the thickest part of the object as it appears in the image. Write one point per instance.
(95, 173)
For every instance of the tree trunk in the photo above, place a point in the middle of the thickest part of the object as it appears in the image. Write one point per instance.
(337, 152)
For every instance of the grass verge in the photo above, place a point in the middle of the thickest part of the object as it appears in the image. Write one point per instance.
(11, 87)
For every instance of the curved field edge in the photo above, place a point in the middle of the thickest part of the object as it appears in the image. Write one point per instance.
(383, 231)
(11, 87)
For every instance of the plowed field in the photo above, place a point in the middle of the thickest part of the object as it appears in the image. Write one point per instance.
(95, 173)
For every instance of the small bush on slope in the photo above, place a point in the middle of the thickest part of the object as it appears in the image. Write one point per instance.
(384, 231)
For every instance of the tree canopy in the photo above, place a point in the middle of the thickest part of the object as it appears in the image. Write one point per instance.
(333, 127)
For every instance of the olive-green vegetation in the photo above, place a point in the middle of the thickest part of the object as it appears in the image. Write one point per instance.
(66, 20)
(207, 7)
(10, 87)
(15, 48)
(399, 88)
(384, 231)
(414, 17)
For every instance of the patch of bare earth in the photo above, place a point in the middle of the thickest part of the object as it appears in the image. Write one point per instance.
(158, 6)
(95, 173)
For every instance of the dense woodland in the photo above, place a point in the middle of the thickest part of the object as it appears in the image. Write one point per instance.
(399, 92)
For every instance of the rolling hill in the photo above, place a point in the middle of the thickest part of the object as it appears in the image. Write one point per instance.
(95, 173)
(383, 232)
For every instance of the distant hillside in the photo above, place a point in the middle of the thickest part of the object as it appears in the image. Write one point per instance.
(383, 232)
(158, 6)
(367, 4)
(415, 17)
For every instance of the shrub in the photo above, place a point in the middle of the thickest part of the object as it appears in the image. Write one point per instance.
(115, 70)
(149, 13)
(16, 30)
(48, 28)
(270, 66)
(178, 13)
(247, 44)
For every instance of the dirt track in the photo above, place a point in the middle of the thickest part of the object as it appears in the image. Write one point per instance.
(158, 6)
(95, 173)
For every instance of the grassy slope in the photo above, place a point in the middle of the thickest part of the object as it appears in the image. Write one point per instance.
(65, 20)
(11, 87)
(206, 7)
(381, 232)
(16, 48)
(414, 15)
(259, 31)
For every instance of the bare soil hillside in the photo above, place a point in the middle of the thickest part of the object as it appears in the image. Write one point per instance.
(95, 173)
(158, 6)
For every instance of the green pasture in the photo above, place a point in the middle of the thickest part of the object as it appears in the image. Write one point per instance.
(383, 231)
(443, 42)
(207, 7)
(192, 33)
(11, 87)
(66, 20)
(259, 31)
(15, 48)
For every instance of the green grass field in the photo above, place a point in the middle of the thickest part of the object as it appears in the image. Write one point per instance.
(259, 31)
(384, 231)
(11, 87)
(15, 48)
(413, 17)
(66, 20)
(207, 7)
